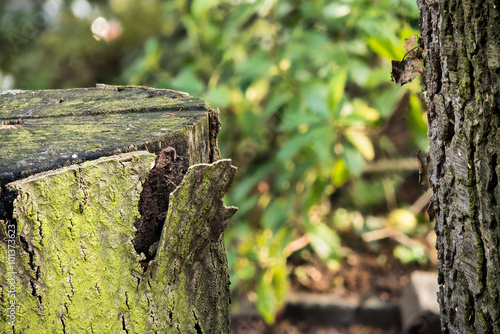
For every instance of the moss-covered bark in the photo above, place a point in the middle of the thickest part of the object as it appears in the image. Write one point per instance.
(462, 68)
(76, 270)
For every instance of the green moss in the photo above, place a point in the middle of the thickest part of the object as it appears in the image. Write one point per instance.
(485, 322)
(85, 248)
(452, 59)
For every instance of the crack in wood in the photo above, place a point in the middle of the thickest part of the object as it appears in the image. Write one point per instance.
(124, 327)
(63, 324)
(126, 300)
(34, 292)
(163, 178)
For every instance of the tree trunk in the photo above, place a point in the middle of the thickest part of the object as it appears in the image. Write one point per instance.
(116, 242)
(461, 76)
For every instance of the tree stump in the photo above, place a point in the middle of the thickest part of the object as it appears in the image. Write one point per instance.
(111, 212)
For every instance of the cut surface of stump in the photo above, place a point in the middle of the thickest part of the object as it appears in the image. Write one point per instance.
(42, 130)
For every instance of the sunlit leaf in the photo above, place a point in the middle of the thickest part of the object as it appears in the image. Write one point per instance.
(200, 7)
(258, 90)
(362, 143)
(339, 173)
(280, 282)
(385, 48)
(336, 92)
(402, 220)
(272, 288)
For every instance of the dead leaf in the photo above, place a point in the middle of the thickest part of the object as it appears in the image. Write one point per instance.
(406, 70)
(410, 44)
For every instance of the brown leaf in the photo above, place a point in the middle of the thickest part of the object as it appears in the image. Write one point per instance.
(410, 43)
(406, 70)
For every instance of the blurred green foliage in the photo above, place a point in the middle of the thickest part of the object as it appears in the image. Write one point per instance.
(306, 100)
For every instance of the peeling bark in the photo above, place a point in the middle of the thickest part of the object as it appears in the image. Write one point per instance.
(462, 68)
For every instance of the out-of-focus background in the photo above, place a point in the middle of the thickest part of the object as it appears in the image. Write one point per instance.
(325, 143)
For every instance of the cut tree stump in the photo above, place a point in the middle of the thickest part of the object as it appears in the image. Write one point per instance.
(111, 212)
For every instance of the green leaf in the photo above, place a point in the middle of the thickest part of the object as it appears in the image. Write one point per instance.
(218, 97)
(314, 94)
(254, 67)
(336, 88)
(407, 255)
(201, 7)
(276, 102)
(275, 214)
(241, 190)
(266, 299)
(385, 48)
(188, 81)
(271, 290)
(324, 241)
(354, 160)
(340, 173)
(280, 282)
(293, 145)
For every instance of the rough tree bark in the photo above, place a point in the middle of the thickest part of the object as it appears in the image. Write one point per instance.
(461, 76)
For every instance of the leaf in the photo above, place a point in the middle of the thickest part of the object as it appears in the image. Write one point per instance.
(406, 70)
(266, 300)
(218, 96)
(362, 143)
(402, 220)
(340, 174)
(274, 216)
(407, 255)
(271, 291)
(354, 160)
(336, 88)
(384, 47)
(417, 124)
(188, 81)
(324, 241)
